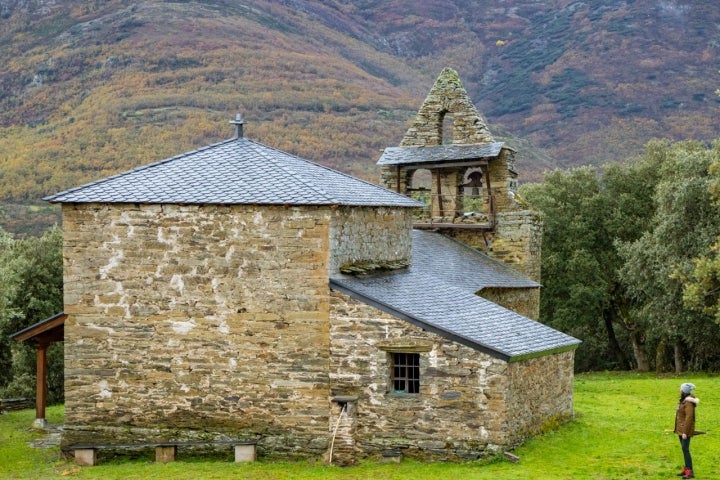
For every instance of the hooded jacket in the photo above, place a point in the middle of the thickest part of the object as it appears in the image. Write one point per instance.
(685, 416)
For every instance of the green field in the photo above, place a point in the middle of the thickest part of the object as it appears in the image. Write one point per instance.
(622, 429)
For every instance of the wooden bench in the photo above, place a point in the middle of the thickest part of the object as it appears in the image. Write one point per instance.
(86, 454)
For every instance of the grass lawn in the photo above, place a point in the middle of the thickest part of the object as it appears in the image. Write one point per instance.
(623, 429)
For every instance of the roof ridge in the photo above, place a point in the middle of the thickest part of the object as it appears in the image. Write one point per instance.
(283, 167)
(310, 185)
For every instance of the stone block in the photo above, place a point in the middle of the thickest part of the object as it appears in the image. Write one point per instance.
(391, 456)
(85, 457)
(165, 453)
(245, 453)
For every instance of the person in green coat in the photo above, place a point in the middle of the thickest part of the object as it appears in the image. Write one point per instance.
(685, 425)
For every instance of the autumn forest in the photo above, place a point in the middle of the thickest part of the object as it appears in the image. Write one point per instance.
(88, 89)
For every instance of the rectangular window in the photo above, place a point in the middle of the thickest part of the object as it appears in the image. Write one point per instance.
(406, 372)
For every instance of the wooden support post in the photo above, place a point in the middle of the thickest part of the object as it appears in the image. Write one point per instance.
(439, 194)
(491, 199)
(41, 382)
(42, 334)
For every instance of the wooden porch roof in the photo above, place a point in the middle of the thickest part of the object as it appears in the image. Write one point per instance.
(46, 331)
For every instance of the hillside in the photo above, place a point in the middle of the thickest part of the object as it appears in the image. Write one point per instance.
(88, 89)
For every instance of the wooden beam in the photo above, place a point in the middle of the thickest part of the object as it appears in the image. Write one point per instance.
(431, 165)
(439, 195)
(456, 226)
(41, 381)
(46, 326)
(491, 198)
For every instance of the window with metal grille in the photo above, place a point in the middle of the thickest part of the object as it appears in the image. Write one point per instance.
(406, 372)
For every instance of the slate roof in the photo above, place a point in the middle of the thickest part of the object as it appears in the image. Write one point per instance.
(236, 171)
(439, 153)
(461, 265)
(438, 295)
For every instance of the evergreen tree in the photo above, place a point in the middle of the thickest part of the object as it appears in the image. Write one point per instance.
(8, 285)
(30, 292)
(618, 250)
(585, 214)
(702, 289)
(684, 224)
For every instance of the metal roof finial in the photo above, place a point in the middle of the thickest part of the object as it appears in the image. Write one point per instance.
(238, 122)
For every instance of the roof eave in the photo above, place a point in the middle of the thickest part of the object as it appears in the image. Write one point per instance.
(542, 353)
(40, 327)
(409, 205)
(476, 157)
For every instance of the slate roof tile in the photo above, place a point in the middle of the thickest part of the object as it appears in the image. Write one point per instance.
(461, 265)
(439, 153)
(437, 293)
(236, 171)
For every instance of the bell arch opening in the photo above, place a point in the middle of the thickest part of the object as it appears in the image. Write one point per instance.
(473, 192)
(446, 127)
(420, 188)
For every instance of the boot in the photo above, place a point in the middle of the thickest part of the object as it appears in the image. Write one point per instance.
(689, 474)
(682, 472)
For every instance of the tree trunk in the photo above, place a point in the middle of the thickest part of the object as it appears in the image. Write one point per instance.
(660, 356)
(643, 364)
(678, 358)
(614, 344)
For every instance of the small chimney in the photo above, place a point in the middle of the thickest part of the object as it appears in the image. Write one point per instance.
(238, 122)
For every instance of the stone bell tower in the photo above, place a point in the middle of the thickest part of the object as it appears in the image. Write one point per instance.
(468, 178)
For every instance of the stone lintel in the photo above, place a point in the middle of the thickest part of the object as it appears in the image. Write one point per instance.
(403, 345)
(344, 398)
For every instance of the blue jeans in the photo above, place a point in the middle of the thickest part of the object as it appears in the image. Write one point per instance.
(685, 444)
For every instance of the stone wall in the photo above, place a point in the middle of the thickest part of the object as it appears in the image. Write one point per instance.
(542, 390)
(470, 404)
(500, 178)
(397, 179)
(467, 402)
(517, 241)
(370, 234)
(197, 321)
(447, 96)
(525, 301)
(210, 322)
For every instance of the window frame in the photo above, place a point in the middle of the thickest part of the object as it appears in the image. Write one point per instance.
(404, 372)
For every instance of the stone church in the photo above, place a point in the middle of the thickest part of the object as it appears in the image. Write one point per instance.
(240, 292)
